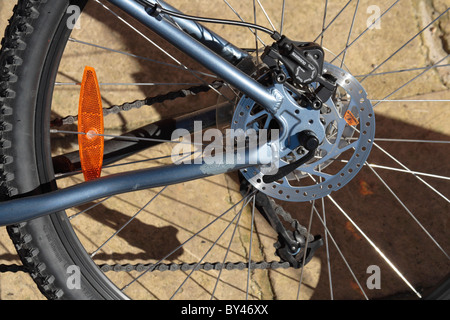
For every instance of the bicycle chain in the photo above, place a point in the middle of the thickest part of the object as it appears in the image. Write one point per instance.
(191, 266)
(127, 106)
(261, 265)
(187, 266)
(293, 222)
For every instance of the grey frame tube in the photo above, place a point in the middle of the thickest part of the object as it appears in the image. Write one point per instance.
(205, 56)
(207, 37)
(19, 210)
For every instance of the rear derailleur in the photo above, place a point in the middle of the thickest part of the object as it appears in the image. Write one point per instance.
(296, 246)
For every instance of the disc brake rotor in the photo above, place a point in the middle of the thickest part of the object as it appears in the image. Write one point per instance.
(349, 124)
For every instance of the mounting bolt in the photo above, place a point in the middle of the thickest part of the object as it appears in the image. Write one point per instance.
(316, 104)
(308, 140)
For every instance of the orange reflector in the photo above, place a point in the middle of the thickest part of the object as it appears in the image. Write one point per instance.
(90, 121)
(350, 118)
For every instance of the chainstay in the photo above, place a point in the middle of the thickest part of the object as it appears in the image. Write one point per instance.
(192, 91)
(194, 266)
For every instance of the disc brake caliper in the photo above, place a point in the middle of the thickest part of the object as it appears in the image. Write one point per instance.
(303, 61)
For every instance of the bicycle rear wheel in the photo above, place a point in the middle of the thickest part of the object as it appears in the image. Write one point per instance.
(113, 241)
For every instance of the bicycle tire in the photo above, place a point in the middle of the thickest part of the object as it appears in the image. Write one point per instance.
(44, 253)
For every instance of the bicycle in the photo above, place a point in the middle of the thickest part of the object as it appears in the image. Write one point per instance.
(318, 105)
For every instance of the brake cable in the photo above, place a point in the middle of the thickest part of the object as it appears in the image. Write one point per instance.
(155, 9)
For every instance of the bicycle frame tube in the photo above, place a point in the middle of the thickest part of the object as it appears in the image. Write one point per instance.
(205, 56)
(205, 36)
(32, 207)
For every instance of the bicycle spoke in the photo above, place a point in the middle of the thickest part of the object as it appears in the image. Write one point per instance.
(404, 45)
(68, 174)
(256, 33)
(348, 45)
(406, 140)
(332, 21)
(131, 84)
(161, 49)
(143, 35)
(141, 57)
(228, 248)
(128, 222)
(250, 248)
(89, 208)
(129, 138)
(412, 140)
(305, 251)
(412, 172)
(376, 248)
(400, 71)
(327, 231)
(400, 100)
(267, 16)
(283, 7)
(323, 22)
(409, 212)
(186, 241)
(207, 252)
(349, 33)
(239, 16)
(409, 171)
(327, 249)
(410, 81)
(141, 161)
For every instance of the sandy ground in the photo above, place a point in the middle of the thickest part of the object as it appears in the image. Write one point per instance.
(194, 205)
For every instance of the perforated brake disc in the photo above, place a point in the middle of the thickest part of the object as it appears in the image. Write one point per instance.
(348, 123)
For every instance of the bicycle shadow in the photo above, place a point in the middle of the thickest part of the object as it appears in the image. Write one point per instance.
(152, 243)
